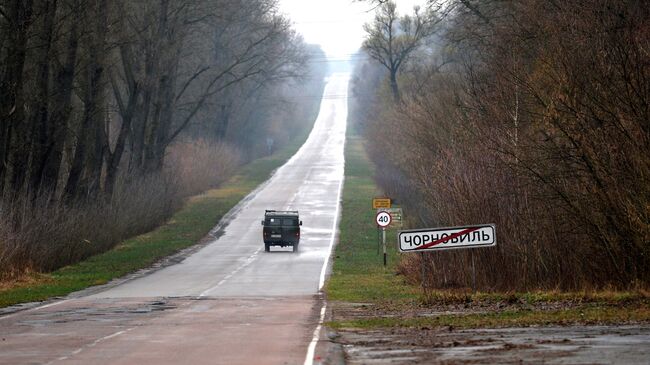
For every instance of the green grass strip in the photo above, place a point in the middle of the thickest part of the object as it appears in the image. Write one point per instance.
(186, 227)
(589, 314)
(358, 274)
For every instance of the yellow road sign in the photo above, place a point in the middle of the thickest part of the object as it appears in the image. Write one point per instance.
(378, 203)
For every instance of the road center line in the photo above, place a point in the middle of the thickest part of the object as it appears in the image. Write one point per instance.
(248, 261)
(93, 344)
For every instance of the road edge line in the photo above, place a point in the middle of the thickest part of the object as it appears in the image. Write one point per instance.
(309, 359)
(311, 350)
(335, 235)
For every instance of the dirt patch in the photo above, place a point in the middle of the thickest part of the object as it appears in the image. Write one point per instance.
(552, 345)
(415, 343)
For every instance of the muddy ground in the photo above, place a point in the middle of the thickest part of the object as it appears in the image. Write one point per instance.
(627, 343)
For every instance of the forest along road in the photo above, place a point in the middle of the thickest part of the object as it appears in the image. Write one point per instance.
(228, 303)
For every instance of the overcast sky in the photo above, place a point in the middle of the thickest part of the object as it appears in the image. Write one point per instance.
(336, 25)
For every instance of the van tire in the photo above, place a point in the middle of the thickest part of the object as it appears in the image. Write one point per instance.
(295, 247)
(267, 247)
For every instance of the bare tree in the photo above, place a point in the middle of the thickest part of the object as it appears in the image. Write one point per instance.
(391, 39)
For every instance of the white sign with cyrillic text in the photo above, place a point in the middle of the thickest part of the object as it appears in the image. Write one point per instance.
(417, 240)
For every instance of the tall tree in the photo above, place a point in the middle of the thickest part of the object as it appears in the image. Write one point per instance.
(391, 39)
(61, 106)
(41, 129)
(18, 18)
(87, 164)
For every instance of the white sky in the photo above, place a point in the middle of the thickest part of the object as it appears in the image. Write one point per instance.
(336, 25)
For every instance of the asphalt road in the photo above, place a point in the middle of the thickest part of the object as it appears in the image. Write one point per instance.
(228, 303)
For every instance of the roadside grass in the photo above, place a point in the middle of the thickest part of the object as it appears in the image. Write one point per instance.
(594, 314)
(186, 227)
(358, 276)
(535, 297)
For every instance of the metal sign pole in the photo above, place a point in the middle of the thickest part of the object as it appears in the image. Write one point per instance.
(422, 273)
(383, 241)
(473, 271)
(378, 240)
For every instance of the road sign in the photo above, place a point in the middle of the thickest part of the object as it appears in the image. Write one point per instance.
(383, 219)
(381, 203)
(395, 215)
(418, 240)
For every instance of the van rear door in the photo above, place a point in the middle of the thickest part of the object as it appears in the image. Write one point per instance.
(290, 229)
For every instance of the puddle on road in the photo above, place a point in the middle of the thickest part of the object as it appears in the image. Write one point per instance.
(98, 313)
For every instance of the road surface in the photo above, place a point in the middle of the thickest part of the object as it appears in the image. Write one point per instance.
(574, 344)
(228, 303)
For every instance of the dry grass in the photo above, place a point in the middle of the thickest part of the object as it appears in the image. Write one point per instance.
(52, 235)
(200, 164)
(26, 279)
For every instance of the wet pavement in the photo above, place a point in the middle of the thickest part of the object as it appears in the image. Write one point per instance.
(629, 344)
(163, 331)
(228, 302)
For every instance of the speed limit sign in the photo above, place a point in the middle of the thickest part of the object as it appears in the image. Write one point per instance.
(383, 219)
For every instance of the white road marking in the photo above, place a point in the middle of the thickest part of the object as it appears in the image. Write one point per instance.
(323, 271)
(93, 344)
(248, 261)
(309, 360)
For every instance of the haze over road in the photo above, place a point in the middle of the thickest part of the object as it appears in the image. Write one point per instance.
(229, 302)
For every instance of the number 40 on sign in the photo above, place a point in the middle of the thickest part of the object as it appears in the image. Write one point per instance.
(383, 219)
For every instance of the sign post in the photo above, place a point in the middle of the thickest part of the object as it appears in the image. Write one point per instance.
(383, 243)
(471, 252)
(383, 220)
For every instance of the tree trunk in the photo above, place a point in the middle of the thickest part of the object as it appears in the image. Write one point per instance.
(85, 173)
(151, 135)
(394, 88)
(61, 112)
(41, 130)
(162, 82)
(114, 158)
(224, 120)
(73, 186)
(99, 122)
(142, 121)
(167, 115)
(12, 108)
